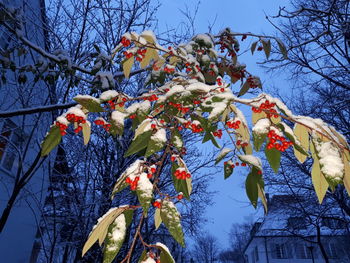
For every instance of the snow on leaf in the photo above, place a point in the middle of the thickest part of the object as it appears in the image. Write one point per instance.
(88, 102)
(108, 95)
(251, 159)
(262, 126)
(165, 255)
(100, 230)
(156, 142)
(114, 239)
(171, 219)
(222, 154)
(133, 170)
(52, 139)
(144, 192)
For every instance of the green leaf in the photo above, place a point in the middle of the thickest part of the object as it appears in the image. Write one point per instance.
(52, 139)
(90, 103)
(157, 218)
(165, 256)
(139, 143)
(113, 244)
(319, 181)
(209, 136)
(253, 47)
(244, 89)
(128, 217)
(143, 256)
(100, 231)
(145, 194)
(228, 170)
(267, 47)
(180, 185)
(251, 187)
(171, 219)
(262, 196)
(154, 146)
(282, 48)
(274, 157)
(258, 140)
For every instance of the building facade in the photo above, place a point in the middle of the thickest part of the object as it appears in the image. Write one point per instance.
(289, 234)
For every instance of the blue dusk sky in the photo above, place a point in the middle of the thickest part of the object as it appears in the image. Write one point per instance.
(231, 203)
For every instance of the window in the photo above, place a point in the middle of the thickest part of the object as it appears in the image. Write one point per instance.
(256, 253)
(302, 251)
(280, 250)
(331, 250)
(333, 223)
(296, 222)
(10, 139)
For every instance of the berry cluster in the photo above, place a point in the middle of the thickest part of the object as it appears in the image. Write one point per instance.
(273, 142)
(179, 107)
(218, 133)
(157, 204)
(181, 174)
(127, 54)
(125, 42)
(233, 124)
(105, 125)
(132, 183)
(151, 171)
(62, 128)
(236, 164)
(219, 81)
(196, 128)
(141, 53)
(74, 118)
(253, 82)
(169, 69)
(239, 143)
(151, 98)
(266, 106)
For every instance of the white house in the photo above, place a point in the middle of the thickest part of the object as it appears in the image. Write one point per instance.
(293, 230)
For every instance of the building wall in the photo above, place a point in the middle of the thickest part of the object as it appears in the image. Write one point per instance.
(23, 142)
(294, 250)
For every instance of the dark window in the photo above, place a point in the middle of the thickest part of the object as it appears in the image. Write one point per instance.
(333, 223)
(280, 250)
(10, 139)
(302, 251)
(296, 222)
(332, 250)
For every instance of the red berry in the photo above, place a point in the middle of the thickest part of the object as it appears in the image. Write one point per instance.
(153, 126)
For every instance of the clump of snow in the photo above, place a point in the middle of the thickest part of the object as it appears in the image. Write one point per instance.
(139, 106)
(76, 111)
(106, 78)
(86, 97)
(330, 160)
(218, 108)
(223, 152)
(277, 131)
(149, 260)
(204, 39)
(178, 143)
(251, 159)
(117, 233)
(149, 36)
(108, 95)
(144, 126)
(133, 170)
(63, 120)
(175, 90)
(199, 87)
(165, 248)
(145, 186)
(118, 118)
(159, 136)
(262, 126)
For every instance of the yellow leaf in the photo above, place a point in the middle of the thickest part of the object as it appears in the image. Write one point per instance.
(319, 182)
(346, 178)
(257, 116)
(101, 229)
(174, 60)
(127, 65)
(302, 134)
(262, 196)
(157, 218)
(150, 54)
(86, 132)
